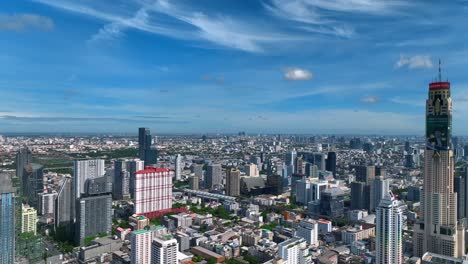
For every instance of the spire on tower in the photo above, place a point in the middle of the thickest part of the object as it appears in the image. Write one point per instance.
(440, 71)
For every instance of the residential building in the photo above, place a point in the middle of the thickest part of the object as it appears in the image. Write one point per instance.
(164, 250)
(213, 176)
(121, 183)
(141, 242)
(153, 190)
(64, 203)
(389, 235)
(308, 229)
(138, 222)
(294, 251)
(28, 219)
(178, 167)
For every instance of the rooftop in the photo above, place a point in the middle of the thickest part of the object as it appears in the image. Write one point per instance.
(153, 170)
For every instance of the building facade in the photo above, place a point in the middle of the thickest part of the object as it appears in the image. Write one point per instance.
(164, 250)
(7, 220)
(28, 219)
(389, 233)
(153, 190)
(146, 151)
(233, 182)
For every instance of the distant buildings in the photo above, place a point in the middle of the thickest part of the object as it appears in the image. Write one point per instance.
(7, 220)
(28, 219)
(233, 182)
(389, 234)
(146, 151)
(153, 190)
(331, 162)
(194, 182)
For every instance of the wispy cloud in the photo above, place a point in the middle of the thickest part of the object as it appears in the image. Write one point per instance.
(297, 74)
(87, 119)
(408, 101)
(414, 62)
(20, 22)
(165, 18)
(370, 99)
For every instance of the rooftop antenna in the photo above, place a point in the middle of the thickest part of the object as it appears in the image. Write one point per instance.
(440, 71)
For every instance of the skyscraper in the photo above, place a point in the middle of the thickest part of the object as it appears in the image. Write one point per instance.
(146, 151)
(133, 166)
(438, 230)
(63, 203)
(365, 174)
(290, 159)
(7, 220)
(389, 231)
(33, 183)
(379, 188)
(94, 209)
(331, 162)
(121, 186)
(194, 182)
(213, 176)
(178, 167)
(153, 191)
(83, 170)
(23, 158)
(233, 182)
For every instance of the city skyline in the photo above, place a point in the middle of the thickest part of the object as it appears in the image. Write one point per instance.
(268, 66)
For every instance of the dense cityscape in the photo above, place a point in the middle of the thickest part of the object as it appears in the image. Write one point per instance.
(237, 198)
(230, 131)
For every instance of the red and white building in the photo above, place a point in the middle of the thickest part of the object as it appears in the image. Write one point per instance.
(153, 191)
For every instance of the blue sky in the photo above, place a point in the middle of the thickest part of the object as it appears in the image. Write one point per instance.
(277, 66)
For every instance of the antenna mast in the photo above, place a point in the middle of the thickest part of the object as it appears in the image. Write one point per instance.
(440, 71)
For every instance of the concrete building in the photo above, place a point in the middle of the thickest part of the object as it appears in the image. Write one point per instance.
(294, 251)
(33, 183)
(133, 166)
(233, 182)
(28, 219)
(251, 170)
(178, 167)
(379, 188)
(438, 230)
(365, 174)
(164, 250)
(121, 183)
(94, 209)
(213, 176)
(47, 204)
(356, 233)
(308, 229)
(138, 222)
(141, 243)
(64, 203)
(389, 237)
(153, 190)
(194, 182)
(7, 220)
(432, 258)
(23, 158)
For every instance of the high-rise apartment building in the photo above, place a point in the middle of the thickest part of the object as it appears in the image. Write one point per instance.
(178, 167)
(7, 220)
(194, 182)
(233, 182)
(94, 209)
(146, 151)
(47, 204)
(438, 230)
(153, 190)
(214, 176)
(28, 219)
(164, 250)
(389, 231)
(290, 159)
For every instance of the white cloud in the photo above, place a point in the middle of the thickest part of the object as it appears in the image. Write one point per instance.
(409, 101)
(370, 99)
(414, 62)
(297, 74)
(20, 22)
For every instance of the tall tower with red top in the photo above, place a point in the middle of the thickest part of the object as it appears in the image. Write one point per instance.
(437, 230)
